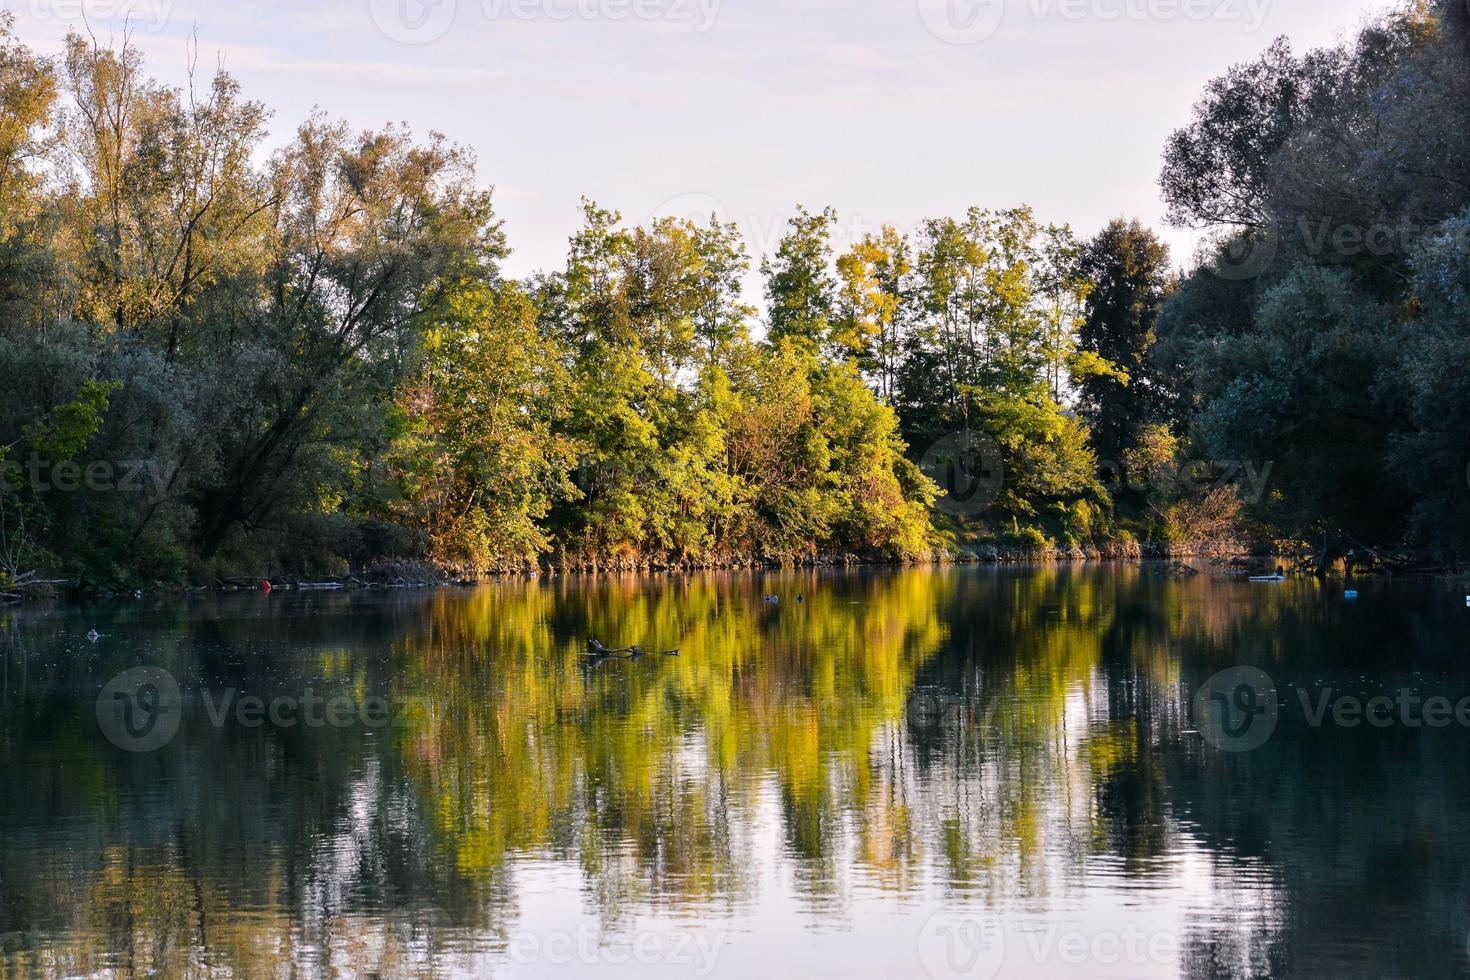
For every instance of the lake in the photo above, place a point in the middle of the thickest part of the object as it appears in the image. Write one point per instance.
(1031, 772)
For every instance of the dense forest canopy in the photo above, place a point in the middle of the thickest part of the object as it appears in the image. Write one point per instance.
(1330, 330)
(220, 357)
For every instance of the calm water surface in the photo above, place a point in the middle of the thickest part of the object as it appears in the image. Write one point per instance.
(920, 773)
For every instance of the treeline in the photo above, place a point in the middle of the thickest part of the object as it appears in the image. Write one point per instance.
(219, 359)
(1330, 329)
(312, 359)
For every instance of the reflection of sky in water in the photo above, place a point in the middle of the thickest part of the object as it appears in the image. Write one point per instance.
(771, 802)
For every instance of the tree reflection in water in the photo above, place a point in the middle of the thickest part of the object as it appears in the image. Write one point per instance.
(1013, 742)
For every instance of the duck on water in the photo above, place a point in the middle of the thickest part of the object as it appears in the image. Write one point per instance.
(596, 651)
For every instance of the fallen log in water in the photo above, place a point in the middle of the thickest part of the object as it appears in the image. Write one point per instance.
(28, 580)
(240, 581)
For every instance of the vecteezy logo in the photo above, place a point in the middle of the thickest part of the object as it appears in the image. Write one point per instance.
(926, 710)
(962, 21)
(969, 470)
(139, 709)
(1246, 255)
(694, 207)
(413, 21)
(1236, 710)
(953, 944)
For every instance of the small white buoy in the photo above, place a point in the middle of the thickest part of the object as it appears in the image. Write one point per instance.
(93, 635)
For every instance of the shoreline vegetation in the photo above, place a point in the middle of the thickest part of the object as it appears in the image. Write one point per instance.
(227, 356)
(1223, 558)
(1231, 558)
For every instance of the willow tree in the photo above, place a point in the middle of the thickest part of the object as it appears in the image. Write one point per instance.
(371, 234)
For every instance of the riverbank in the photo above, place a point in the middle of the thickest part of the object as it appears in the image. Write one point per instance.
(419, 574)
(386, 575)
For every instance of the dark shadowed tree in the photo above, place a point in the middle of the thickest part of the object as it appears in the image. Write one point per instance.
(1129, 270)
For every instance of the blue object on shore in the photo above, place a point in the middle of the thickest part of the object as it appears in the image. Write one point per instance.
(1350, 594)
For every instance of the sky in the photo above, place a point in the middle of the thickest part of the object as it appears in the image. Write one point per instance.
(889, 111)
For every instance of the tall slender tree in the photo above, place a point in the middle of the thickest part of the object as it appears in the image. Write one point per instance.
(1128, 267)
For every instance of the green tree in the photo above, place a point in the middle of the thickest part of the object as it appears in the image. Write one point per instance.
(801, 293)
(373, 232)
(1311, 391)
(482, 463)
(1433, 456)
(873, 279)
(1301, 337)
(881, 499)
(1118, 392)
